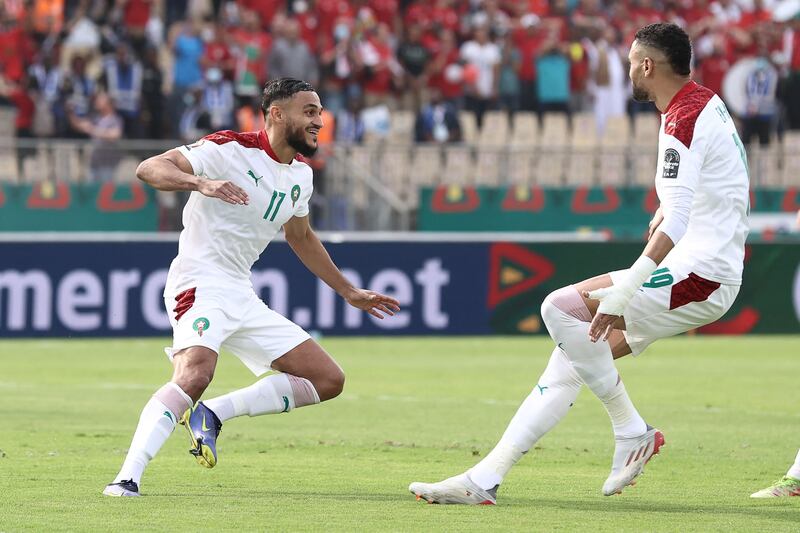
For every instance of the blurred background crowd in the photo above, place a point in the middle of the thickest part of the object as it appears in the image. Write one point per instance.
(419, 96)
(177, 69)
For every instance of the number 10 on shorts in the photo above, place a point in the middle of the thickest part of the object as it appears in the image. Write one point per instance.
(280, 196)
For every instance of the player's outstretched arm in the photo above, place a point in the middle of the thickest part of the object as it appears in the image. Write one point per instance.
(171, 171)
(312, 253)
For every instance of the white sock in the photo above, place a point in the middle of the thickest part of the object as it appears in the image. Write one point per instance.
(794, 471)
(278, 393)
(594, 363)
(156, 424)
(544, 407)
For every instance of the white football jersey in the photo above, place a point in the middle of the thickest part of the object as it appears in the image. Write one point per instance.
(700, 150)
(221, 241)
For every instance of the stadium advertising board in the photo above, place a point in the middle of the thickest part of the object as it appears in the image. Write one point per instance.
(115, 288)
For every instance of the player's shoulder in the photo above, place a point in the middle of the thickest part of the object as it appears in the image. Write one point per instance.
(302, 166)
(247, 139)
(681, 117)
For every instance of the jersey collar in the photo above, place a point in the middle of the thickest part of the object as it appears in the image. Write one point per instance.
(686, 89)
(263, 142)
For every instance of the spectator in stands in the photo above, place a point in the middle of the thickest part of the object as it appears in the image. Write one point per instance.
(491, 17)
(187, 47)
(509, 87)
(218, 100)
(19, 94)
(445, 72)
(152, 95)
(16, 47)
(135, 15)
(483, 55)
(250, 44)
(379, 68)
(122, 79)
(290, 56)
(437, 121)
(414, 58)
(195, 121)
(553, 75)
(218, 53)
(47, 17)
(608, 84)
(760, 90)
(104, 128)
(528, 40)
(715, 65)
(337, 63)
(76, 90)
(349, 124)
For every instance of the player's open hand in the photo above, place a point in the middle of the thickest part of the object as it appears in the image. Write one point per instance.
(609, 310)
(372, 302)
(224, 190)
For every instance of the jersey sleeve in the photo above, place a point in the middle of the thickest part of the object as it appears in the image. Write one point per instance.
(678, 177)
(206, 157)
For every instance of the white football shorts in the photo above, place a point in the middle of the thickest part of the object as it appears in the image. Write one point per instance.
(672, 301)
(232, 318)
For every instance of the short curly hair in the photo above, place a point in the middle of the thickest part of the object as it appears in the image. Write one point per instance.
(280, 89)
(672, 41)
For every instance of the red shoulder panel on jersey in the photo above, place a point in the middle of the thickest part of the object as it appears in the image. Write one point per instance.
(247, 139)
(683, 110)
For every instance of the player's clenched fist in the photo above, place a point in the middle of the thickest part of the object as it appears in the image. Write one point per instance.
(224, 190)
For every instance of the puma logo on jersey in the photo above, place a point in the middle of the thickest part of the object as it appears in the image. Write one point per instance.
(252, 175)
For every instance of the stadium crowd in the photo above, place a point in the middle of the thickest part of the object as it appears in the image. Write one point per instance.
(106, 69)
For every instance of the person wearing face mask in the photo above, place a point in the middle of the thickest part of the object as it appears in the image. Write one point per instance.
(291, 57)
(218, 99)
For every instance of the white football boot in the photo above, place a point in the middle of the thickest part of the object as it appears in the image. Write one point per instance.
(457, 489)
(630, 456)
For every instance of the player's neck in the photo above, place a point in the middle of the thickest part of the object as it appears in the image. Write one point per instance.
(668, 92)
(280, 147)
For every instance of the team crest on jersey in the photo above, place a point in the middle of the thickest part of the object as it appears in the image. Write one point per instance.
(672, 161)
(200, 325)
(295, 194)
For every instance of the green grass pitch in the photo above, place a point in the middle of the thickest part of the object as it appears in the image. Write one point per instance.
(413, 409)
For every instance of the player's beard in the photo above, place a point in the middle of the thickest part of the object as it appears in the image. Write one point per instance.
(296, 138)
(640, 94)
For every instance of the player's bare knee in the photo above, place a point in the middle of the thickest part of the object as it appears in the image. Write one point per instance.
(331, 385)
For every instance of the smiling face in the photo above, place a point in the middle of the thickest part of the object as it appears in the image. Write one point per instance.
(303, 118)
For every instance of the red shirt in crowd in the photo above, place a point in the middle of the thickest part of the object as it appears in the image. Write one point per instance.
(137, 13)
(329, 13)
(712, 71)
(16, 51)
(384, 11)
(25, 108)
(266, 9)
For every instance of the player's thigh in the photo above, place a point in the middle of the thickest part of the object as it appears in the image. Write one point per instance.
(265, 336)
(669, 304)
(309, 360)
